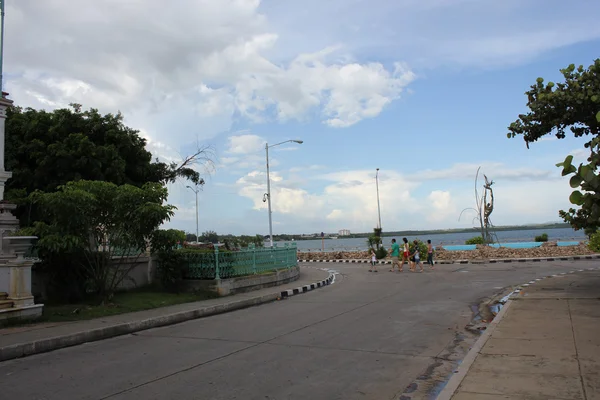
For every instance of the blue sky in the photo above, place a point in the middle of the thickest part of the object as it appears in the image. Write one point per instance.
(423, 90)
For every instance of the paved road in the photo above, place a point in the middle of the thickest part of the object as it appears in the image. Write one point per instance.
(365, 337)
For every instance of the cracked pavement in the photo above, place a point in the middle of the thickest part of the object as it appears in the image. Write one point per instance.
(368, 336)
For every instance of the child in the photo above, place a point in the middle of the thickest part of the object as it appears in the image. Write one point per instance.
(417, 257)
(373, 262)
(429, 253)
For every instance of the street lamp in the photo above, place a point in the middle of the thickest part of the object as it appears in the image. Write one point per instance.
(378, 207)
(196, 190)
(1, 43)
(267, 196)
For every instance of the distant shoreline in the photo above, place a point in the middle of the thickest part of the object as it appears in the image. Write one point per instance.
(474, 230)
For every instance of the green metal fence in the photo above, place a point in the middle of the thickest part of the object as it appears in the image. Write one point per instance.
(229, 264)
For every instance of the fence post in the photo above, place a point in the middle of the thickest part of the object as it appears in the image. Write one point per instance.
(295, 251)
(252, 247)
(217, 263)
(287, 255)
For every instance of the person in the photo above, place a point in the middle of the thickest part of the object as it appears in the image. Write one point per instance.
(373, 262)
(405, 251)
(395, 253)
(416, 257)
(429, 253)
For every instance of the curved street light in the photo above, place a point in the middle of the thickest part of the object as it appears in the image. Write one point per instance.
(267, 196)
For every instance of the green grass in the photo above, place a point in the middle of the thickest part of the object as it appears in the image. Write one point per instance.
(121, 303)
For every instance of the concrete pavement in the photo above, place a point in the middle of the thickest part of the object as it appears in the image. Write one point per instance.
(368, 336)
(37, 338)
(546, 345)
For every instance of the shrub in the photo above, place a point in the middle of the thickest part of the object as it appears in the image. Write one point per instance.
(381, 253)
(475, 240)
(594, 243)
(542, 238)
(422, 249)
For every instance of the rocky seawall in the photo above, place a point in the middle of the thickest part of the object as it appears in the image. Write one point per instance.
(481, 253)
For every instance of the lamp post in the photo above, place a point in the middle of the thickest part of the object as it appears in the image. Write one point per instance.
(267, 196)
(378, 207)
(196, 190)
(1, 42)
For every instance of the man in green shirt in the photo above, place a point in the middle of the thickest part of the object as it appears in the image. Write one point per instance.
(395, 253)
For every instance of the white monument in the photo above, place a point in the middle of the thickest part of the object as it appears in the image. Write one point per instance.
(16, 300)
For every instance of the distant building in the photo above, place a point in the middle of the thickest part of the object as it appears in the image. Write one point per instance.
(344, 232)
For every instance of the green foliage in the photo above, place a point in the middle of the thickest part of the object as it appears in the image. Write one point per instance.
(171, 269)
(475, 240)
(238, 242)
(381, 253)
(375, 241)
(542, 238)
(210, 237)
(45, 150)
(594, 243)
(100, 220)
(422, 249)
(166, 239)
(572, 105)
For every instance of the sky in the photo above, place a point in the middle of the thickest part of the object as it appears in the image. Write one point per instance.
(424, 90)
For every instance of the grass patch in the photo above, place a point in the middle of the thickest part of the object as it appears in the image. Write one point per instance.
(122, 303)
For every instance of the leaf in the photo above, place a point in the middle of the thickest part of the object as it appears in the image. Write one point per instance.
(598, 116)
(575, 181)
(576, 198)
(568, 160)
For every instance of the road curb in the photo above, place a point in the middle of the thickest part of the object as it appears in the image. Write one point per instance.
(489, 261)
(20, 350)
(58, 342)
(308, 288)
(456, 379)
(465, 366)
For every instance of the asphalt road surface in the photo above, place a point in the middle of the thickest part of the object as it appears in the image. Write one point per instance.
(367, 336)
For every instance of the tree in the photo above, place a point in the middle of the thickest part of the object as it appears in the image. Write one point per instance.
(574, 105)
(45, 150)
(209, 236)
(103, 222)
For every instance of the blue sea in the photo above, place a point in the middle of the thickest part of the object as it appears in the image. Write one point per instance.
(445, 239)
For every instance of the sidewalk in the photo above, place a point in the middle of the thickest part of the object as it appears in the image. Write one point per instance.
(31, 339)
(544, 344)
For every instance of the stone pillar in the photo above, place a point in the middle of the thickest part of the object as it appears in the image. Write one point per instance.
(15, 269)
(15, 278)
(4, 175)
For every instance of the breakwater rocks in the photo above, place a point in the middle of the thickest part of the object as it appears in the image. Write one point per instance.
(480, 253)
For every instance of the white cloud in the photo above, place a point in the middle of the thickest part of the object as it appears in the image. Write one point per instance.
(442, 206)
(245, 144)
(349, 199)
(436, 33)
(494, 170)
(214, 54)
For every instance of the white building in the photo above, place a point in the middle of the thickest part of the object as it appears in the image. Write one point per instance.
(344, 232)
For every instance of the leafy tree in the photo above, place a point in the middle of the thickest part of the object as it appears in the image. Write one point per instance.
(190, 237)
(232, 242)
(574, 105)
(103, 222)
(209, 236)
(45, 150)
(475, 240)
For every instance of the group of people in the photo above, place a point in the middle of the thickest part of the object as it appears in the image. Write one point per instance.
(412, 259)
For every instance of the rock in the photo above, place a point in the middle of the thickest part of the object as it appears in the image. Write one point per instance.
(480, 253)
(549, 244)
